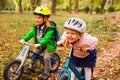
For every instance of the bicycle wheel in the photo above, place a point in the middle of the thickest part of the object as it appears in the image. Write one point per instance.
(64, 77)
(55, 62)
(9, 72)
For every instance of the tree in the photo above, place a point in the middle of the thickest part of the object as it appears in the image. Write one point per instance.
(53, 7)
(92, 2)
(70, 6)
(35, 3)
(102, 6)
(18, 4)
(110, 2)
(2, 3)
(76, 6)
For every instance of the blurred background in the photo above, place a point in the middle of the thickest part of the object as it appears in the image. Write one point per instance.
(101, 16)
(88, 6)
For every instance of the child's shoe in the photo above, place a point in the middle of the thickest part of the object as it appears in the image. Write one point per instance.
(44, 76)
(29, 69)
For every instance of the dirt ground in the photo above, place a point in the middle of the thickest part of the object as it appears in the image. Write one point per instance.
(108, 66)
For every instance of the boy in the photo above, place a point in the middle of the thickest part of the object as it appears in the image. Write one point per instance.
(43, 34)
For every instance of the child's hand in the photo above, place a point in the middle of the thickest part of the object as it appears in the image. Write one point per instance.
(59, 43)
(22, 41)
(85, 47)
(37, 46)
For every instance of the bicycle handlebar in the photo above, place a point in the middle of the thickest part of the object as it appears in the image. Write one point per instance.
(89, 51)
(28, 43)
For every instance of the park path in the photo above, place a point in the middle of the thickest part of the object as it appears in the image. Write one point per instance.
(108, 66)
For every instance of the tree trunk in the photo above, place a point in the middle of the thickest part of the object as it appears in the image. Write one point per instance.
(20, 6)
(92, 2)
(102, 6)
(1, 4)
(76, 6)
(35, 3)
(70, 6)
(53, 7)
(111, 2)
(16, 5)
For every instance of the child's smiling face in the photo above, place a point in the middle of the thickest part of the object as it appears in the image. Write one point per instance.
(72, 36)
(39, 19)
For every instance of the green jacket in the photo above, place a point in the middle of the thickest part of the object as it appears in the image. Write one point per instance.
(47, 40)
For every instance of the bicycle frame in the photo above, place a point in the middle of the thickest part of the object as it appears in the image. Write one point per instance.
(22, 55)
(72, 67)
(41, 57)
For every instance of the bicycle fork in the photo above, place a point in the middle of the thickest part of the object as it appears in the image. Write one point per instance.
(22, 56)
(73, 69)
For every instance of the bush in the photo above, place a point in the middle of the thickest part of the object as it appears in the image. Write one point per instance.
(67, 8)
(87, 9)
(97, 9)
(111, 9)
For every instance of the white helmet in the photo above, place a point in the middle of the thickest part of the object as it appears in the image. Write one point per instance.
(75, 24)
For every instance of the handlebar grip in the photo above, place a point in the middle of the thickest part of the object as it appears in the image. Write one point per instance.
(28, 43)
(38, 47)
(89, 51)
(61, 45)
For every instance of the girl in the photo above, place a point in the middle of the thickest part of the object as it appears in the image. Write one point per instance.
(75, 36)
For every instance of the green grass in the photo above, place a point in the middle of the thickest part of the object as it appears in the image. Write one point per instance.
(13, 26)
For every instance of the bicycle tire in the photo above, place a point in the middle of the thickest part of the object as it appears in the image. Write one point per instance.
(64, 77)
(56, 64)
(12, 66)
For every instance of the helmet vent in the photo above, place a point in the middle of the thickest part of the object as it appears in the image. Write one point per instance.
(76, 22)
(80, 25)
(73, 20)
(41, 9)
(69, 22)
